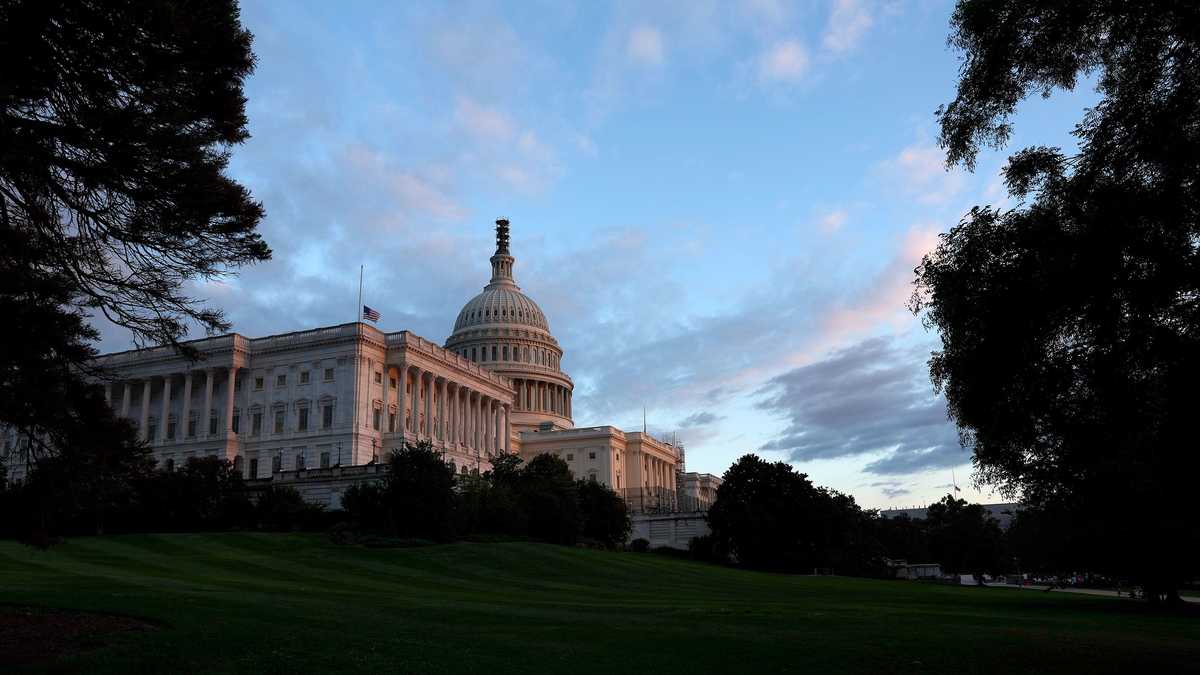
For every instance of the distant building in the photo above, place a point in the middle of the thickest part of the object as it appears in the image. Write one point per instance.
(699, 487)
(1003, 513)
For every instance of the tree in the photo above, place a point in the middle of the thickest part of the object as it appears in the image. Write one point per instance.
(119, 170)
(116, 124)
(1070, 325)
(764, 516)
(964, 538)
(419, 493)
(546, 493)
(603, 515)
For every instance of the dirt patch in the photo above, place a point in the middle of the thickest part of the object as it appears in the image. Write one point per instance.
(33, 635)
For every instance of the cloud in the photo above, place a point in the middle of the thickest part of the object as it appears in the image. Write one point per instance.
(832, 221)
(849, 21)
(891, 488)
(871, 398)
(483, 122)
(645, 46)
(784, 61)
(919, 171)
(586, 145)
(698, 419)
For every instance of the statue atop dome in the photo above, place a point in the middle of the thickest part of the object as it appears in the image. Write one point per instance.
(502, 235)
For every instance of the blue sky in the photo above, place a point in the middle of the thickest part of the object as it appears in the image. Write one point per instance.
(718, 206)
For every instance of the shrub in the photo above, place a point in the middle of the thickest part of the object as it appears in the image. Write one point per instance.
(639, 545)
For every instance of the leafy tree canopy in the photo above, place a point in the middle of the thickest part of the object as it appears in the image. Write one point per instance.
(116, 121)
(1070, 325)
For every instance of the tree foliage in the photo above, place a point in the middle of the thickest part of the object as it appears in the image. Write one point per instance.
(769, 516)
(1070, 324)
(116, 122)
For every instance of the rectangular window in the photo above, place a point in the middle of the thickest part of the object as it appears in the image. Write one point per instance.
(191, 430)
(378, 377)
(391, 421)
(300, 460)
(277, 464)
(303, 425)
(591, 455)
(304, 377)
(254, 468)
(392, 382)
(237, 419)
(212, 425)
(237, 384)
(324, 460)
(570, 456)
(258, 383)
(329, 374)
(152, 431)
(327, 417)
(256, 424)
(281, 380)
(171, 430)
(375, 419)
(279, 421)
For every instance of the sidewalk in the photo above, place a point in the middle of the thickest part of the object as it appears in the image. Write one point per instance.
(1082, 591)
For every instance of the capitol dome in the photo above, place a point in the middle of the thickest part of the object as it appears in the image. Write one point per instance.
(503, 305)
(504, 330)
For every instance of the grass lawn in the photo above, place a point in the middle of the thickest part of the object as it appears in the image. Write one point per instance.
(285, 603)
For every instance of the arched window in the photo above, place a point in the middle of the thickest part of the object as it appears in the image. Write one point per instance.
(473, 354)
(526, 359)
(493, 352)
(504, 353)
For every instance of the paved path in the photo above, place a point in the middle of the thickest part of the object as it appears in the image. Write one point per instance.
(1082, 591)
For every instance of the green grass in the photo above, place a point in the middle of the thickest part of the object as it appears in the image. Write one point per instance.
(287, 603)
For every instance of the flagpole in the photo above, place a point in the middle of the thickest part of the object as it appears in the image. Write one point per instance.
(357, 367)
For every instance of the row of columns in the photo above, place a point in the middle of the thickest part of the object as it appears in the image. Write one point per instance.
(188, 383)
(539, 396)
(462, 417)
(658, 473)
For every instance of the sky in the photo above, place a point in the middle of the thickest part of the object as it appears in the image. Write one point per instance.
(718, 205)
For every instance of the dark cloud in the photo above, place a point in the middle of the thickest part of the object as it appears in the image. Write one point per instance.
(871, 397)
(698, 419)
(891, 488)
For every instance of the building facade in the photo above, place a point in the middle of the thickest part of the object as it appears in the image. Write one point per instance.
(329, 403)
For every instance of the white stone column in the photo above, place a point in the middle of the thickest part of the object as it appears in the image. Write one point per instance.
(418, 376)
(429, 407)
(469, 420)
(207, 414)
(441, 411)
(166, 409)
(229, 389)
(496, 423)
(145, 410)
(479, 424)
(187, 407)
(507, 429)
(452, 416)
(386, 412)
(126, 391)
(401, 392)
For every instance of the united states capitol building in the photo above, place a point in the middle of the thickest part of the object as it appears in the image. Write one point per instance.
(320, 409)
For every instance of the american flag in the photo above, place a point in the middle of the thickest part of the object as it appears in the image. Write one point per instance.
(370, 314)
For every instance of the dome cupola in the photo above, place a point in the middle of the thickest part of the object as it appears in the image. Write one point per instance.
(504, 330)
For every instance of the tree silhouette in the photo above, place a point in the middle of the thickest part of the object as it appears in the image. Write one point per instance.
(1070, 324)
